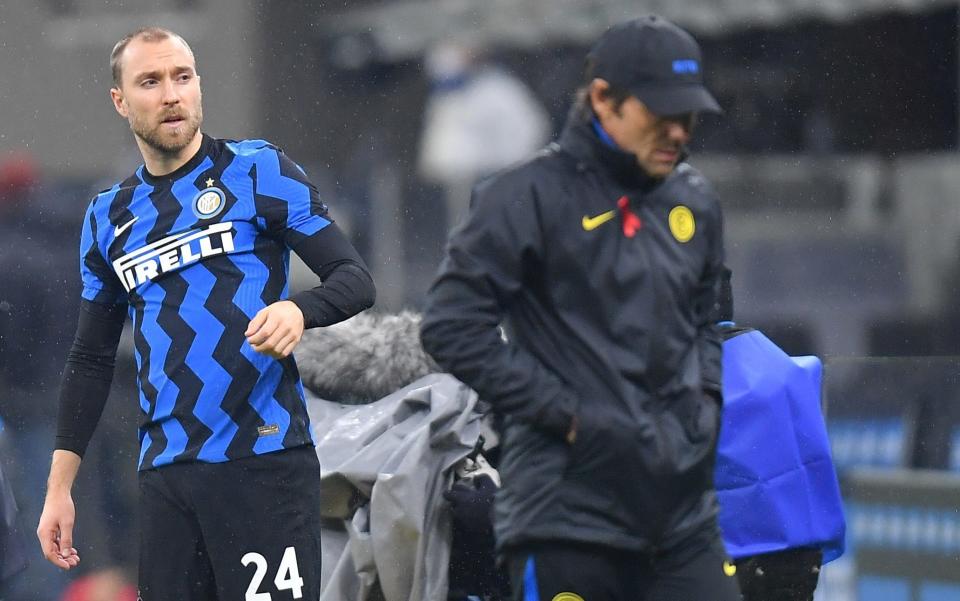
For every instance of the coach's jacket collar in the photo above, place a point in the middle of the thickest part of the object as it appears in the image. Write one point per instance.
(581, 141)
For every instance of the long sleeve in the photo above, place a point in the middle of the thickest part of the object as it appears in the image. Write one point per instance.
(88, 374)
(292, 211)
(346, 288)
(483, 272)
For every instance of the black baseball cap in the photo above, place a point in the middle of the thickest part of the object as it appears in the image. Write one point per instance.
(657, 62)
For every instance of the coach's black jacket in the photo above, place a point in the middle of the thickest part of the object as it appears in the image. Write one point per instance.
(611, 328)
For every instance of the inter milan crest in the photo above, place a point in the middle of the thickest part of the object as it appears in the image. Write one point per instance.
(682, 223)
(209, 202)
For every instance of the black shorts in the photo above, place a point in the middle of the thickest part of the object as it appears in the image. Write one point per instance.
(699, 570)
(229, 531)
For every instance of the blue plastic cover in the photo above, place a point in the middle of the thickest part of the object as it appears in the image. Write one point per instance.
(775, 478)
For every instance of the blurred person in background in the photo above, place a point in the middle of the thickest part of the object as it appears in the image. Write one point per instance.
(601, 256)
(101, 585)
(13, 555)
(195, 246)
(36, 268)
(479, 119)
(25, 251)
(22, 299)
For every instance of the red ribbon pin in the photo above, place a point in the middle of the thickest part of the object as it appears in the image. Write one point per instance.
(631, 221)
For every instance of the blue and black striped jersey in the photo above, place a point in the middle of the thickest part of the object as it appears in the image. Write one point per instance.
(196, 254)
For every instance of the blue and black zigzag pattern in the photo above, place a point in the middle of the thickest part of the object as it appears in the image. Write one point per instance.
(194, 273)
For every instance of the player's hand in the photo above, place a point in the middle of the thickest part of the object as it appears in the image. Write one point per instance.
(55, 531)
(276, 329)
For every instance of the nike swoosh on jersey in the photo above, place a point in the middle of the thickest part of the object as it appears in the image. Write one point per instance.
(592, 223)
(119, 229)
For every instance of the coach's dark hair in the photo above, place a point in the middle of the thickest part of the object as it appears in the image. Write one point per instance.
(147, 34)
(581, 100)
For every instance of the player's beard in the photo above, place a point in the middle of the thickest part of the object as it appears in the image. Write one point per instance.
(169, 143)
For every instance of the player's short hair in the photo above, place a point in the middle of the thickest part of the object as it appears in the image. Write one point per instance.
(618, 94)
(147, 34)
(581, 98)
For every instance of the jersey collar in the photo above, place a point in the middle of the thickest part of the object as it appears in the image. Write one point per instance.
(206, 145)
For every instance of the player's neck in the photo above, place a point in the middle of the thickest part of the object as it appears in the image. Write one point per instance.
(159, 163)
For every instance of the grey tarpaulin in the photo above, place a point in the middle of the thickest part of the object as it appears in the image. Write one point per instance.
(384, 468)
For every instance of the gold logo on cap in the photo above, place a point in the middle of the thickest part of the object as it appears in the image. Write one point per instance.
(682, 224)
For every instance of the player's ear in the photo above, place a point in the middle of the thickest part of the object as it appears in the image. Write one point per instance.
(599, 94)
(119, 102)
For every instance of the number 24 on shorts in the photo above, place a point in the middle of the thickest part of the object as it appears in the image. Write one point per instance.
(287, 578)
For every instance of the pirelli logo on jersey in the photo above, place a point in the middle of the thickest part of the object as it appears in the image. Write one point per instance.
(172, 253)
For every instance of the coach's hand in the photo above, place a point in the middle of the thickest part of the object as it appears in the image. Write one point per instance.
(276, 329)
(56, 531)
